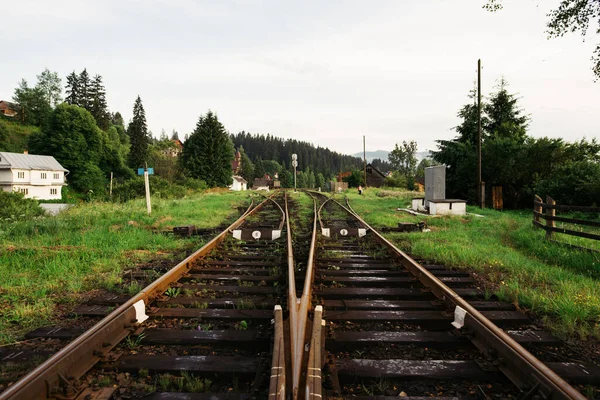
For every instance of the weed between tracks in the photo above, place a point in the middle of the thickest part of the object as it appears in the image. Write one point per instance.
(557, 283)
(48, 264)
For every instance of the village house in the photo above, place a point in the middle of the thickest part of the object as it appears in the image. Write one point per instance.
(8, 109)
(375, 178)
(239, 183)
(37, 177)
(175, 150)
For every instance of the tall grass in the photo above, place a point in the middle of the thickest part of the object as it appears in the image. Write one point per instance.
(47, 261)
(558, 283)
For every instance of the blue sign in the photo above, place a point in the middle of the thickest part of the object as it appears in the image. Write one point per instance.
(141, 171)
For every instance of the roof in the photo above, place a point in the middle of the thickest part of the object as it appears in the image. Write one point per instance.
(239, 179)
(376, 170)
(8, 104)
(29, 161)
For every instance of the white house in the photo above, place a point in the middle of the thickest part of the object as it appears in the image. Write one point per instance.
(239, 183)
(37, 177)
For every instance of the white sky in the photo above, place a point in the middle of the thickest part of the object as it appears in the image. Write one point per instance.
(326, 72)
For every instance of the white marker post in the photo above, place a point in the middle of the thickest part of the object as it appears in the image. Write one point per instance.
(147, 171)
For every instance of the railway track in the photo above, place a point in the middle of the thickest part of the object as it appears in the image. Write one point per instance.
(282, 305)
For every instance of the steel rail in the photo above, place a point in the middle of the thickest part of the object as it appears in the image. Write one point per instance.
(75, 359)
(314, 385)
(299, 307)
(277, 380)
(519, 365)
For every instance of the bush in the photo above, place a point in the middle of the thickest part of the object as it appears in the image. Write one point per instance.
(396, 180)
(159, 187)
(13, 207)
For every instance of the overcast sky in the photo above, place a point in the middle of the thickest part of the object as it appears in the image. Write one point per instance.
(326, 72)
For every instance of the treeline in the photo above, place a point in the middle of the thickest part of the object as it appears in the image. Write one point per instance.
(260, 147)
(520, 164)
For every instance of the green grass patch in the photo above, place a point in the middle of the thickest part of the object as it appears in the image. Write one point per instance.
(558, 283)
(49, 261)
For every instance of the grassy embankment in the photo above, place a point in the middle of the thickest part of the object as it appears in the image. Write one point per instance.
(559, 284)
(48, 264)
(17, 135)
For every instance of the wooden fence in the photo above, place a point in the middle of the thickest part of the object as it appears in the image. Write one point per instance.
(550, 217)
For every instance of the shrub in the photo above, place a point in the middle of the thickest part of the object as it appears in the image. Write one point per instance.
(13, 206)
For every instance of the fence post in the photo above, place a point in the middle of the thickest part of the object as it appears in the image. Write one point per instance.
(537, 208)
(550, 212)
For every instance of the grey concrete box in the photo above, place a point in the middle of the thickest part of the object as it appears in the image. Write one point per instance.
(435, 183)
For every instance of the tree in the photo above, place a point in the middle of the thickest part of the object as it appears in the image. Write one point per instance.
(84, 90)
(98, 106)
(247, 168)
(72, 89)
(570, 16)
(49, 83)
(138, 135)
(320, 181)
(3, 137)
(504, 118)
(33, 107)
(73, 138)
(175, 135)
(208, 152)
(404, 161)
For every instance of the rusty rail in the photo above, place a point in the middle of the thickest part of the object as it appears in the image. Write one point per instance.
(299, 307)
(277, 381)
(59, 373)
(519, 365)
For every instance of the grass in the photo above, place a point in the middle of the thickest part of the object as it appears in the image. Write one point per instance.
(47, 264)
(555, 282)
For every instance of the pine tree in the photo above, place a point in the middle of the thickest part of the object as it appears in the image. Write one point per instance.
(247, 169)
(138, 134)
(99, 108)
(208, 152)
(506, 120)
(174, 135)
(72, 89)
(84, 82)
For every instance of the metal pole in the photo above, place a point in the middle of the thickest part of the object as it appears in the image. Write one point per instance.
(111, 180)
(365, 159)
(480, 198)
(294, 178)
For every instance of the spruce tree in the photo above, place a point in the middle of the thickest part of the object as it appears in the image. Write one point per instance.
(72, 89)
(138, 134)
(505, 118)
(247, 168)
(84, 90)
(99, 108)
(208, 152)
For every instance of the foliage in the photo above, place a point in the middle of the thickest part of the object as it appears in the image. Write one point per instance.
(49, 84)
(247, 167)
(138, 135)
(208, 152)
(159, 187)
(397, 180)
(268, 147)
(161, 156)
(49, 263)
(73, 138)
(520, 164)
(570, 16)
(403, 160)
(16, 135)
(355, 179)
(33, 109)
(14, 207)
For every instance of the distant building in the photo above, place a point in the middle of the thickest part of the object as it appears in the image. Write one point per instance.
(264, 183)
(8, 109)
(37, 177)
(236, 164)
(375, 178)
(176, 150)
(239, 183)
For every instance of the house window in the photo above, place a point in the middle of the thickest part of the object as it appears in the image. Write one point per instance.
(56, 176)
(44, 175)
(21, 175)
(369, 170)
(53, 191)
(24, 190)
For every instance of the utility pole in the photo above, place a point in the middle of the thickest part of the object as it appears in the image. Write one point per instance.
(111, 180)
(294, 164)
(365, 159)
(480, 184)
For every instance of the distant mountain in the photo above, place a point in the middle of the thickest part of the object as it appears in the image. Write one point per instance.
(371, 155)
(383, 155)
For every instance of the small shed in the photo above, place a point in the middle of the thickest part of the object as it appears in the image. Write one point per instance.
(375, 178)
(239, 183)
